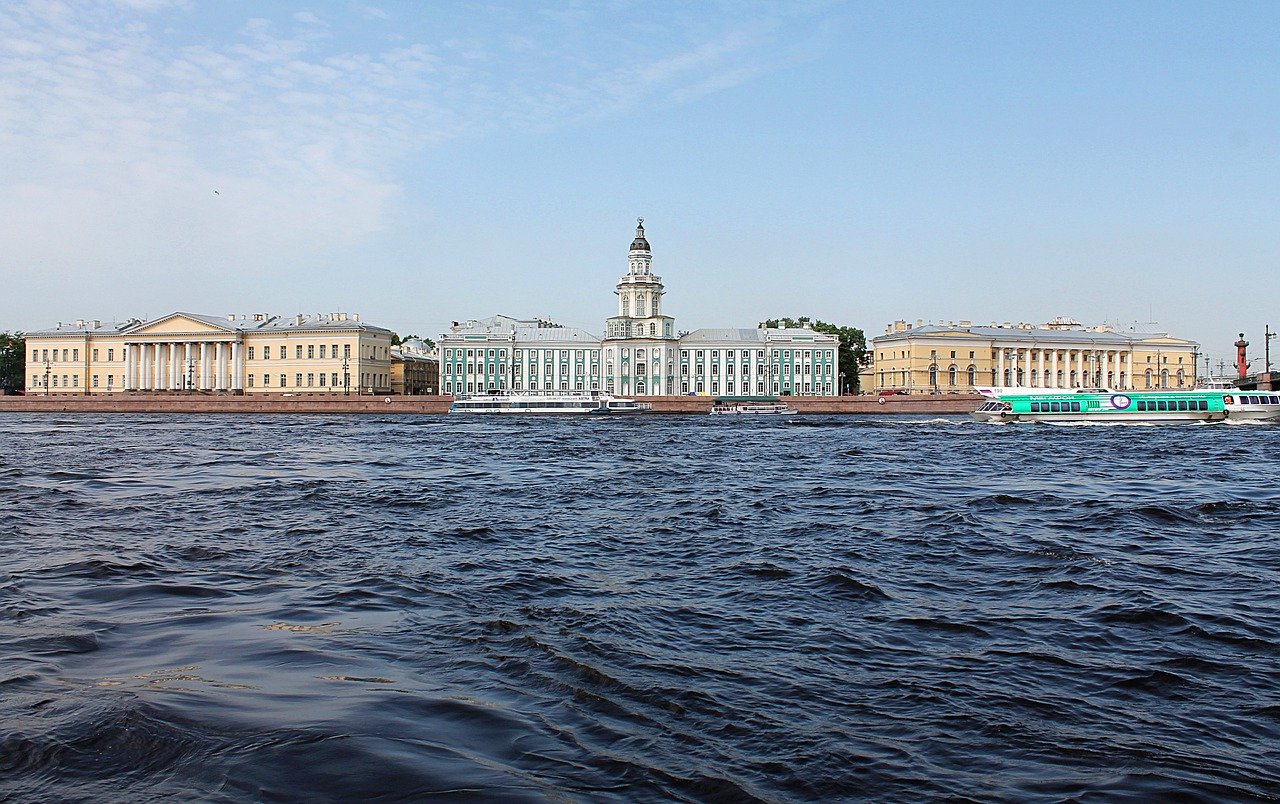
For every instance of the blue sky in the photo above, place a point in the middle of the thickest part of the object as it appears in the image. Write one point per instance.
(857, 162)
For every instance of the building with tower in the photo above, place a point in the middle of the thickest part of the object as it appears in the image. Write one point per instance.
(641, 353)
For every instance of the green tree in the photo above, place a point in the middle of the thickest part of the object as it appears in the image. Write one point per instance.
(396, 340)
(13, 361)
(853, 345)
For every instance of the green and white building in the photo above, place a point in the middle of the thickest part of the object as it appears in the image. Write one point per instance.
(641, 353)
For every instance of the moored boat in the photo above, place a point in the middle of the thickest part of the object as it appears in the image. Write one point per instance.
(547, 404)
(751, 406)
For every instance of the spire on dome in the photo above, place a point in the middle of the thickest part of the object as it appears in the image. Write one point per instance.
(639, 244)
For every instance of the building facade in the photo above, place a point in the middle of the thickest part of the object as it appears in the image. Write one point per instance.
(640, 354)
(415, 369)
(959, 357)
(186, 352)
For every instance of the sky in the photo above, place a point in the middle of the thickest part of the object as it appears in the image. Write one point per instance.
(857, 162)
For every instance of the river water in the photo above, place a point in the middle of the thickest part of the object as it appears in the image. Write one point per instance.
(329, 608)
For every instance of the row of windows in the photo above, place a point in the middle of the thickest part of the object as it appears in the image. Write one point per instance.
(1181, 404)
(535, 355)
(311, 352)
(1010, 354)
(68, 355)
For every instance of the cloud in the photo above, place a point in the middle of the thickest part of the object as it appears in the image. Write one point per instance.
(120, 118)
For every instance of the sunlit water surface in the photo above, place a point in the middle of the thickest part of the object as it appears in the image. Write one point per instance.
(232, 608)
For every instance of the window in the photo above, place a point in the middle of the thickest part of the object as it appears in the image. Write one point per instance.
(95, 381)
(282, 352)
(250, 352)
(297, 380)
(297, 352)
(333, 351)
(346, 350)
(311, 351)
(322, 351)
(95, 355)
(311, 380)
(283, 380)
(250, 378)
(266, 353)
(333, 379)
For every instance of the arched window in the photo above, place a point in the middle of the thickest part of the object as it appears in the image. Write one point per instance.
(951, 375)
(973, 375)
(1148, 377)
(639, 386)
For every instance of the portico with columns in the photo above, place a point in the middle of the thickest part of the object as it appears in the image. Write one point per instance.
(184, 353)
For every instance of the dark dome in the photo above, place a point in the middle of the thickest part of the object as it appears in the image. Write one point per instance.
(639, 244)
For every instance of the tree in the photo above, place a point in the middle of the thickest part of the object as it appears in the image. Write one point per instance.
(13, 361)
(396, 340)
(853, 345)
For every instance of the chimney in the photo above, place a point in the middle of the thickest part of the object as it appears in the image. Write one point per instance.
(97, 324)
(231, 316)
(355, 316)
(79, 323)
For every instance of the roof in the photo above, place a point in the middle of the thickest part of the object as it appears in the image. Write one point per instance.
(1037, 334)
(738, 335)
(256, 322)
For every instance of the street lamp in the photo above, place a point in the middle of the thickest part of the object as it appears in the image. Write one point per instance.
(46, 376)
(346, 377)
(191, 370)
(842, 388)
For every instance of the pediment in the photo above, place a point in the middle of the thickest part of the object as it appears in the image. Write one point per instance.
(181, 322)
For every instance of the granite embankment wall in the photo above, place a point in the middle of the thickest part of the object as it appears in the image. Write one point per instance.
(200, 403)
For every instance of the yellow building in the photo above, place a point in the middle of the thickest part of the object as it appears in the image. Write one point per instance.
(184, 352)
(415, 369)
(958, 357)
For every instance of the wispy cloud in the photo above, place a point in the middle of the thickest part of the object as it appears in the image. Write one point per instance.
(118, 131)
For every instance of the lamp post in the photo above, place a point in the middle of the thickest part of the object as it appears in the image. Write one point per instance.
(46, 376)
(191, 370)
(842, 388)
(346, 376)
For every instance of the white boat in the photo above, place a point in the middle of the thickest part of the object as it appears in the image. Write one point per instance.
(525, 404)
(751, 407)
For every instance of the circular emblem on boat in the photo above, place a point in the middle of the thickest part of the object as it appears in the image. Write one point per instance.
(387, 400)
(1120, 401)
(1226, 400)
(880, 401)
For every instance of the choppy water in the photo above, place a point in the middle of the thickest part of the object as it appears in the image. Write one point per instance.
(233, 608)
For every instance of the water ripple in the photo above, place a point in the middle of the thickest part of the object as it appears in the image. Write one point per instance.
(241, 608)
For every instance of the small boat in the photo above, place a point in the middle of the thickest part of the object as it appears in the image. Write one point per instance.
(751, 406)
(1103, 405)
(547, 404)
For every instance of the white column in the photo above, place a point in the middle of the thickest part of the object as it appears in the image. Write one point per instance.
(220, 367)
(1026, 372)
(154, 367)
(188, 377)
(204, 365)
(236, 373)
(1000, 367)
(1053, 369)
(1043, 380)
(1080, 368)
(128, 367)
(1106, 366)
